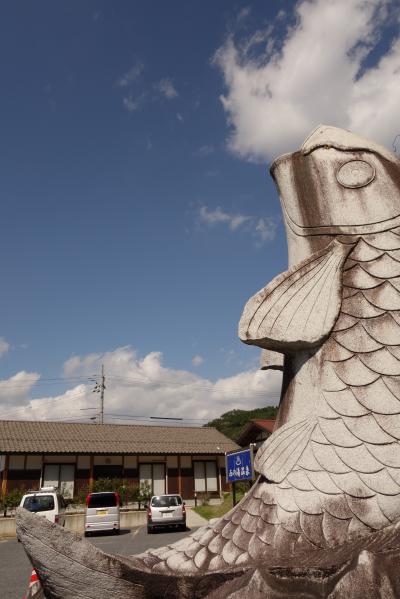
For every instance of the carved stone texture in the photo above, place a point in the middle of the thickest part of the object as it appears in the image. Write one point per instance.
(322, 519)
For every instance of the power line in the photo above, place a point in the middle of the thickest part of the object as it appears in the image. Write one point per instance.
(137, 417)
(195, 384)
(41, 382)
(48, 400)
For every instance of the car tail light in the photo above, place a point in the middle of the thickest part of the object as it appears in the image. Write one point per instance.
(149, 513)
(117, 498)
(56, 519)
(183, 509)
(87, 500)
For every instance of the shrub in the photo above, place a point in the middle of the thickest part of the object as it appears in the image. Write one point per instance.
(106, 484)
(127, 492)
(11, 500)
(144, 492)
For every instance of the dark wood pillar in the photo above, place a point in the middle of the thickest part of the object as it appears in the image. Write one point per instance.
(5, 475)
(179, 476)
(91, 478)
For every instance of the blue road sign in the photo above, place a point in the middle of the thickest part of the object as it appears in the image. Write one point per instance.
(239, 466)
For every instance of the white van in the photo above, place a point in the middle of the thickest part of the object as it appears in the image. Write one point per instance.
(166, 510)
(102, 512)
(46, 502)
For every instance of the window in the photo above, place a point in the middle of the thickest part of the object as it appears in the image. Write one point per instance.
(102, 500)
(205, 477)
(166, 501)
(154, 475)
(39, 503)
(61, 476)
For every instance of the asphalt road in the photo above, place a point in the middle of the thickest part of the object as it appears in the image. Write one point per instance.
(15, 568)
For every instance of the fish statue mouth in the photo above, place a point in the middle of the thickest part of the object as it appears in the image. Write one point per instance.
(323, 518)
(338, 183)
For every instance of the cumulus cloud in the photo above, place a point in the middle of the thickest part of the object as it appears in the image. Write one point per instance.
(166, 88)
(262, 229)
(4, 346)
(143, 386)
(15, 391)
(197, 360)
(279, 89)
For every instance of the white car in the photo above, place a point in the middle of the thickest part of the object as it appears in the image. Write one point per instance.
(102, 512)
(166, 510)
(46, 502)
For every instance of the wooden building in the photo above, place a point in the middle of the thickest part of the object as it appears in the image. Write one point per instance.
(256, 431)
(174, 459)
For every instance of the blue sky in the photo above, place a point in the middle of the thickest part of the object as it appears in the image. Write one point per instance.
(138, 214)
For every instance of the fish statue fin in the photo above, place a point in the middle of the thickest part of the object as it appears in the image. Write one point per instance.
(279, 454)
(271, 360)
(299, 308)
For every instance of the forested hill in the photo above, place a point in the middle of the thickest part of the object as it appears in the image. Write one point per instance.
(232, 423)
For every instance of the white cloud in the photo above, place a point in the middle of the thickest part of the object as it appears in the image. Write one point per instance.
(131, 75)
(265, 230)
(15, 391)
(243, 14)
(197, 360)
(262, 229)
(4, 346)
(166, 88)
(278, 90)
(136, 91)
(214, 217)
(144, 387)
(130, 103)
(205, 150)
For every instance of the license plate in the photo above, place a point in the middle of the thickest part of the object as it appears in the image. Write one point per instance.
(168, 515)
(102, 513)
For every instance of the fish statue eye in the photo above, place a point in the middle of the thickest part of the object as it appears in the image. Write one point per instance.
(355, 173)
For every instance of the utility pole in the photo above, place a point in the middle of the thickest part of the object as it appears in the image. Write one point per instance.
(102, 387)
(99, 388)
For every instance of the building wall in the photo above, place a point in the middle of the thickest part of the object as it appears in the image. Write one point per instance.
(24, 472)
(27, 471)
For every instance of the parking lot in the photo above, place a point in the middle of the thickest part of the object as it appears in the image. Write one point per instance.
(15, 568)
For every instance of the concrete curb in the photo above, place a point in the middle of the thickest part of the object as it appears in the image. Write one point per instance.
(74, 522)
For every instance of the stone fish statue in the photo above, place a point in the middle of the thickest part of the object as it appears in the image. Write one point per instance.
(323, 518)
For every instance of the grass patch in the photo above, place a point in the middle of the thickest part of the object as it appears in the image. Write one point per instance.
(216, 511)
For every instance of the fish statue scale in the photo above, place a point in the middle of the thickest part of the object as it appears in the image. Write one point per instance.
(323, 518)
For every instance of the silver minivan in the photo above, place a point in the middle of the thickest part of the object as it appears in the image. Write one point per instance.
(166, 510)
(102, 512)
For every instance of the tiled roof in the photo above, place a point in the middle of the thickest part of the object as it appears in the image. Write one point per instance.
(18, 436)
(268, 425)
(251, 428)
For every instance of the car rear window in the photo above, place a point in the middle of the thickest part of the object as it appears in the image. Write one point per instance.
(166, 501)
(102, 500)
(39, 503)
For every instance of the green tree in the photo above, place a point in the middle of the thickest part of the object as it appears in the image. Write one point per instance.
(233, 422)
